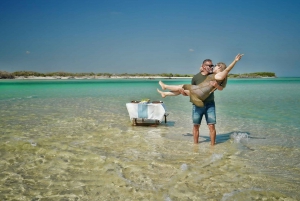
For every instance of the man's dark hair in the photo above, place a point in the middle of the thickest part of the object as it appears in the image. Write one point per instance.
(206, 60)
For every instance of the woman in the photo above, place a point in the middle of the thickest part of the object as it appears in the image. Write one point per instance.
(199, 93)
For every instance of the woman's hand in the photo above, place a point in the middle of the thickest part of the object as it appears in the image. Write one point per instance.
(238, 57)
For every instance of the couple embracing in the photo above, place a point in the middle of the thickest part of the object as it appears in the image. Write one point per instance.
(201, 92)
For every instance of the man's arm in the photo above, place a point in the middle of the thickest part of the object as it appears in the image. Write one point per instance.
(219, 87)
(182, 92)
(216, 85)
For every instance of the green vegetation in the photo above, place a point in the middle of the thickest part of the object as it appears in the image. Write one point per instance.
(252, 75)
(26, 74)
(6, 75)
(62, 74)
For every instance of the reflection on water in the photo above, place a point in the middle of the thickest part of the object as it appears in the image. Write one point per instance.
(86, 149)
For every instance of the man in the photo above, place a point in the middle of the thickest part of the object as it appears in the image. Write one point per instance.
(208, 110)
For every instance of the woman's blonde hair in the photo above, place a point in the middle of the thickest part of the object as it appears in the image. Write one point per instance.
(222, 65)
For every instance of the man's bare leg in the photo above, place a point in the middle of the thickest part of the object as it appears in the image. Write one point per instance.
(196, 133)
(213, 133)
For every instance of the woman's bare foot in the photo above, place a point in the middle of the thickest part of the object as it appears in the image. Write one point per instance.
(161, 93)
(162, 85)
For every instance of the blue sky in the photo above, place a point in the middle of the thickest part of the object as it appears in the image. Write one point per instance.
(149, 36)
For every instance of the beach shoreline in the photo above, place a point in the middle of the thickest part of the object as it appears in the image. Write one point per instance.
(111, 77)
(93, 77)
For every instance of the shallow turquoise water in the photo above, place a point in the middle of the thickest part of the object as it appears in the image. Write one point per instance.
(73, 140)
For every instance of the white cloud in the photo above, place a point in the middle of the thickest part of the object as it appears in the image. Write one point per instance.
(191, 50)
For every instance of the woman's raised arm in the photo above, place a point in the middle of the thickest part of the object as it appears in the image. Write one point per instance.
(222, 75)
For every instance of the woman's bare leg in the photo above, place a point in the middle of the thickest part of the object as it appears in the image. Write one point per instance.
(168, 93)
(172, 88)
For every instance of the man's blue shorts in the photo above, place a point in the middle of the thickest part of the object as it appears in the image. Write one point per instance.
(209, 111)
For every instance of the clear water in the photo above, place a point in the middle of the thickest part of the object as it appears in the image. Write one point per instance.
(73, 140)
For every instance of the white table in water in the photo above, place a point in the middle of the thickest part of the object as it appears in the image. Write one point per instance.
(147, 111)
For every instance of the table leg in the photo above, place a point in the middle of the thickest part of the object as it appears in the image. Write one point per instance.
(134, 122)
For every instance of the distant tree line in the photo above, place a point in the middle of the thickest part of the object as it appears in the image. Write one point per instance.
(252, 75)
(7, 75)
